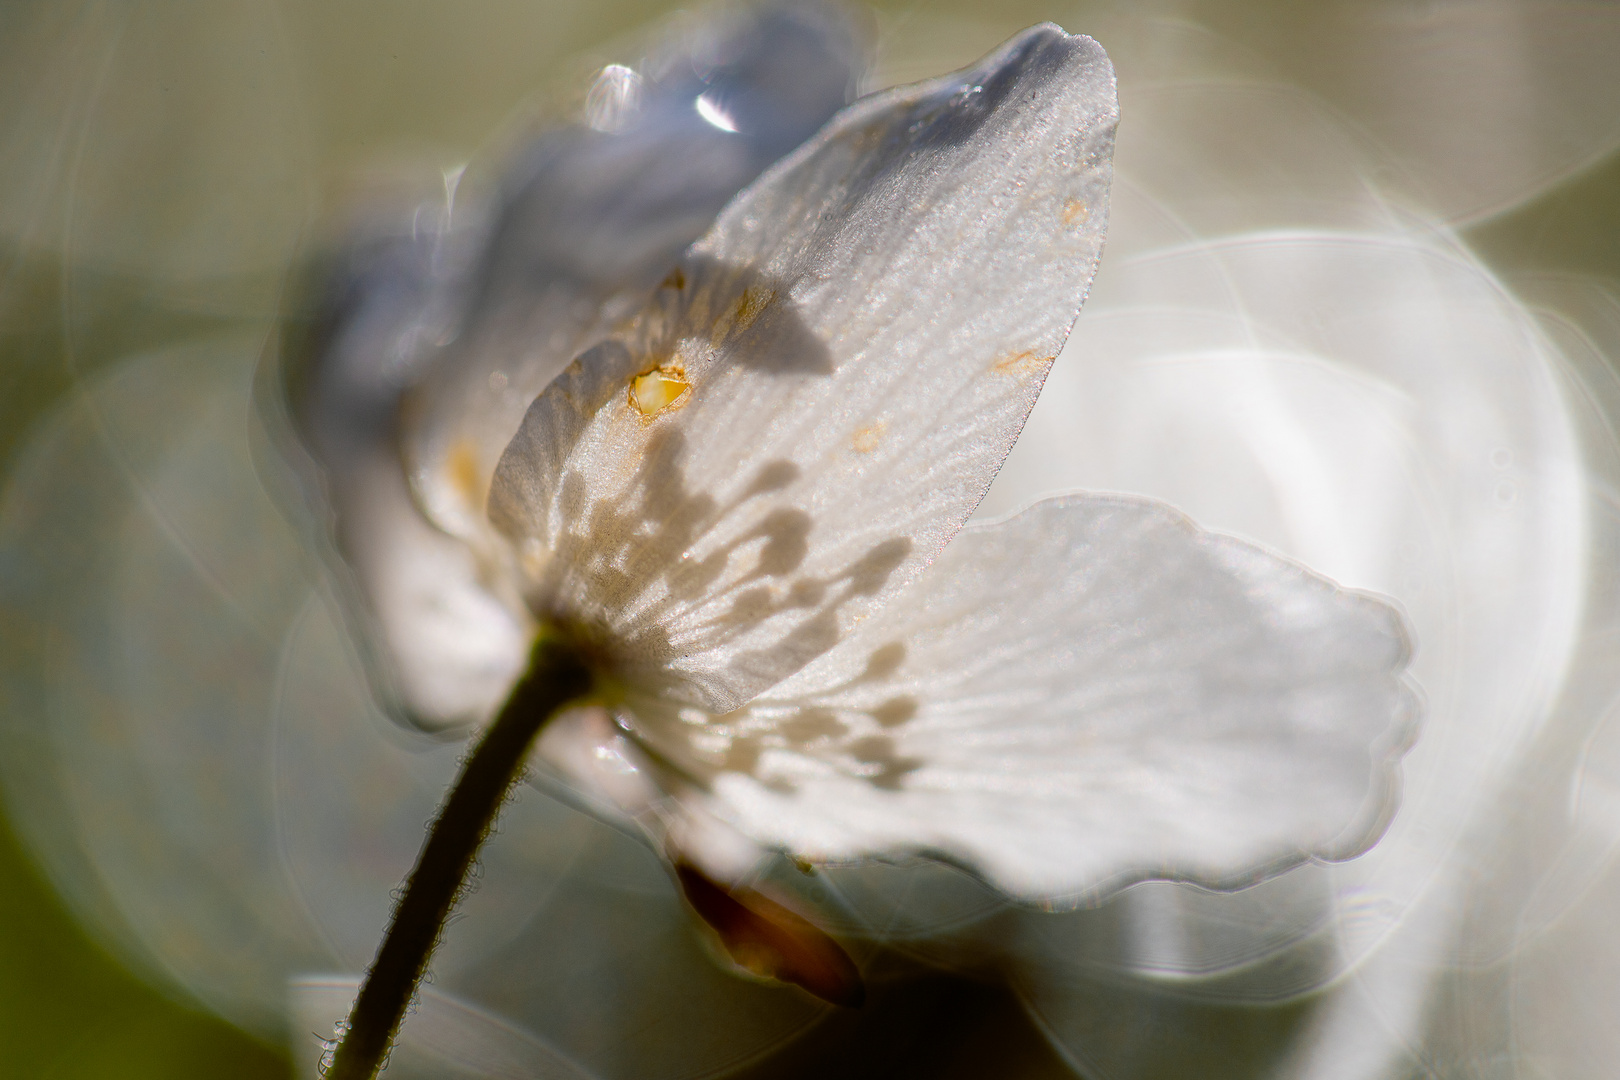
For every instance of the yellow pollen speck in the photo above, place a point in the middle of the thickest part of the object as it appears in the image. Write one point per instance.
(1076, 212)
(866, 439)
(659, 389)
(462, 468)
(1022, 363)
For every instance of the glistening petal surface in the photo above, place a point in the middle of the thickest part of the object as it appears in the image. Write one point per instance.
(593, 214)
(1086, 695)
(468, 321)
(827, 383)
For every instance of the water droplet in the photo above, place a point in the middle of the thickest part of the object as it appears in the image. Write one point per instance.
(711, 111)
(614, 99)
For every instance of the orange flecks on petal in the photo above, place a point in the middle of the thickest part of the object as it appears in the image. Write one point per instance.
(743, 314)
(661, 388)
(1022, 363)
(462, 466)
(865, 440)
(1076, 212)
(766, 939)
(751, 304)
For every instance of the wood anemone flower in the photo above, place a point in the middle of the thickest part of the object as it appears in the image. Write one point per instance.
(766, 569)
(734, 526)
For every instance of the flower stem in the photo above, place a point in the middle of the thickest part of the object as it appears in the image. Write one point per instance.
(554, 678)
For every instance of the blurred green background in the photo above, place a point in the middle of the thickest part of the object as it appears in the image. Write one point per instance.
(160, 167)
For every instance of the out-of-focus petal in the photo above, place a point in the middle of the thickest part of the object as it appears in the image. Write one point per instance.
(191, 749)
(441, 645)
(845, 360)
(1089, 694)
(1379, 407)
(593, 215)
(591, 212)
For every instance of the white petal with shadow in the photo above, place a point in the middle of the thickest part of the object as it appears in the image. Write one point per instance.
(1091, 693)
(849, 354)
(587, 221)
(435, 330)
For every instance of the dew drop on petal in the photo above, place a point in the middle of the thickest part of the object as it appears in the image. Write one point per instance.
(711, 111)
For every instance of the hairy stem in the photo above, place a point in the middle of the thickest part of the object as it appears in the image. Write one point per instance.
(554, 678)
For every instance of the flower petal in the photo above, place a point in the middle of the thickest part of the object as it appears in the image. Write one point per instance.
(1377, 406)
(591, 212)
(190, 750)
(1089, 694)
(828, 382)
(594, 214)
(441, 646)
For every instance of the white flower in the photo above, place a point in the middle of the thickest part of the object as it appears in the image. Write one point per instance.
(716, 505)
(721, 509)
(175, 607)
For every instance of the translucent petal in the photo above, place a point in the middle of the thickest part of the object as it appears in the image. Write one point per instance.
(862, 334)
(590, 212)
(589, 218)
(1379, 407)
(191, 749)
(1091, 693)
(442, 645)
(573, 931)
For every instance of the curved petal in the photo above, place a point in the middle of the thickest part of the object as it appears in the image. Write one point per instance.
(1092, 693)
(591, 211)
(189, 747)
(441, 645)
(594, 214)
(827, 384)
(1379, 407)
